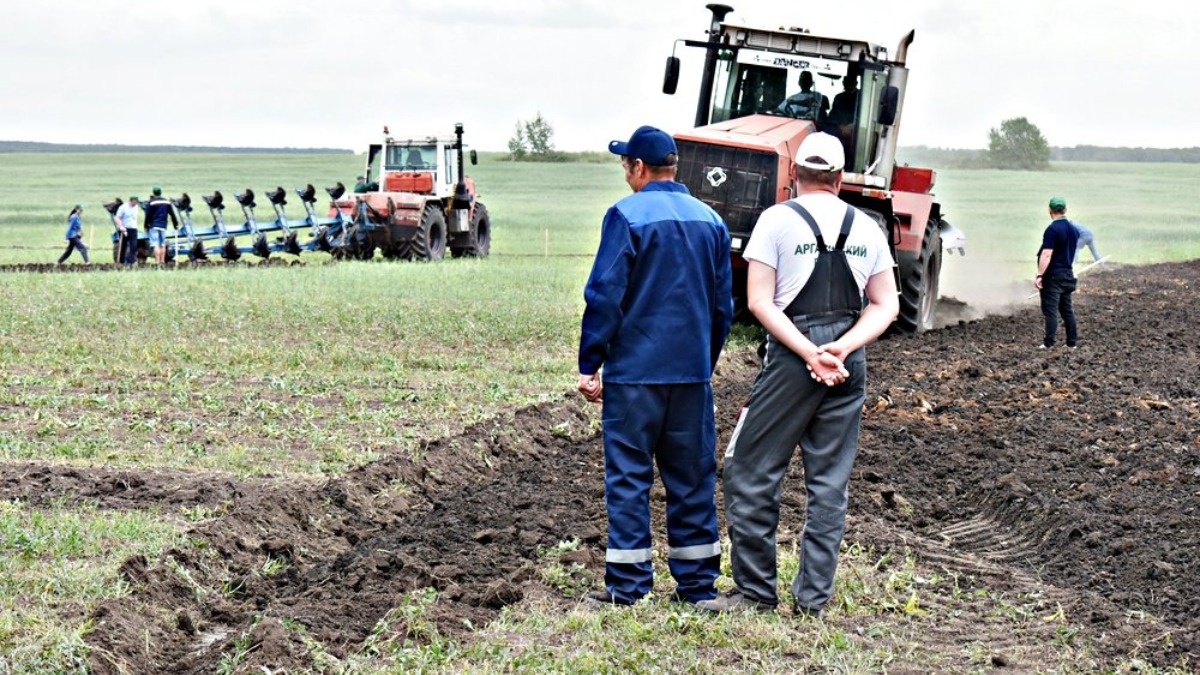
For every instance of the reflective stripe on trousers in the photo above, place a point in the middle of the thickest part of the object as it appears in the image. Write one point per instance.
(671, 427)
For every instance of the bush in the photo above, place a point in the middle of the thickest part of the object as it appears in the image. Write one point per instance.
(1018, 144)
(533, 140)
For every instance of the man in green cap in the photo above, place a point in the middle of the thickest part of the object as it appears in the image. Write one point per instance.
(1055, 278)
(157, 212)
(127, 232)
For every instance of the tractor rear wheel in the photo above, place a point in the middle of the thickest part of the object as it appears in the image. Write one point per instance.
(430, 241)
(481, 236)
(919, 291)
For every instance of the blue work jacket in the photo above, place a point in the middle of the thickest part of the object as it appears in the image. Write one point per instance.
(659, 298)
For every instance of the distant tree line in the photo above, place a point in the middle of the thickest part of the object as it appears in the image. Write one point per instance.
(966, 158)
(1097, 153)
(28, 146)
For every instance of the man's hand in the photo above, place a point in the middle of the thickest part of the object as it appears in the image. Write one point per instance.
(826, 366)
(1037, 282)
(591, 387)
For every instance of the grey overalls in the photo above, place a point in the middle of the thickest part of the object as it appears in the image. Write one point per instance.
(788, 408)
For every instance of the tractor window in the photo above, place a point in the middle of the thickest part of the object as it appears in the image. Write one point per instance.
(742, 90)
(411, 157)
(864, 140)
(450, 161)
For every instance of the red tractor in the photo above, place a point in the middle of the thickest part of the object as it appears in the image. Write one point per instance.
(761, 92)
(413, 202)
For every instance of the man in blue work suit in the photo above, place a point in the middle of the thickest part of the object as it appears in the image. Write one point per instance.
(659, 306)
(809, 297)
(1055, 278)
(158, 210)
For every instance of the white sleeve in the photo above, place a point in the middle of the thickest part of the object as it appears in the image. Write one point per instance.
(883, 259)
(763, 246)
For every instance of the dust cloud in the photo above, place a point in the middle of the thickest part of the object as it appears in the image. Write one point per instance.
(983, 284)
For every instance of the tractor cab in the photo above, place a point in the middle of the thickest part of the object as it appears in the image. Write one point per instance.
(426, 166)
(762, 91)
(847, 88)
(839, 97)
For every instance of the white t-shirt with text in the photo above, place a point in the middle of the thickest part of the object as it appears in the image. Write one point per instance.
(784, 242)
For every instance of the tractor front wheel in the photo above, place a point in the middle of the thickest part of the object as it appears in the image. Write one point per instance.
(919, 291)
(430, 241)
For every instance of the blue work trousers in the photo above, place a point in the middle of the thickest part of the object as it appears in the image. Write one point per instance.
(670, 425)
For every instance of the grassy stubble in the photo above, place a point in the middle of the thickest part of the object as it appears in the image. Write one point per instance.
(307, 371)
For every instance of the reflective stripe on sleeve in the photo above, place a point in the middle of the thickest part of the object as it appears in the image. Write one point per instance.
(632, 555)
(699, 552)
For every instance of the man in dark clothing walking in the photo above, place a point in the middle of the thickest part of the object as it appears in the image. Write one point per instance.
(659, 307)
(810, 299)
(158, 210)
(1055, 278)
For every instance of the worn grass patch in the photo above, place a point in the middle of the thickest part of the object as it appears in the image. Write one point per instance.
(54, 564)
(889, 615)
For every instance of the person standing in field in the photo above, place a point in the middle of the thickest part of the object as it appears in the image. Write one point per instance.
(158, 210)
(809, 296)
(74, 236)
(1055, 278)
(659, 306)
(127, 231)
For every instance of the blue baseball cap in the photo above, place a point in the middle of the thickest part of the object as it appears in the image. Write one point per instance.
(648, 144)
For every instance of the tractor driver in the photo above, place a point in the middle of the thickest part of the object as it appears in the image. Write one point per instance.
(361, 186)
(841, 115)
(806, 104)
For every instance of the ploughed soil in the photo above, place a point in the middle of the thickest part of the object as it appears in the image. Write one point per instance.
(1068, 475)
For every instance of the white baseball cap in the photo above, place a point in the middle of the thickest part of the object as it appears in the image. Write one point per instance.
(821, 152)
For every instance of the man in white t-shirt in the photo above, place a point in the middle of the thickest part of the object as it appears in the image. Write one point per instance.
(811, 261)
(127, 231)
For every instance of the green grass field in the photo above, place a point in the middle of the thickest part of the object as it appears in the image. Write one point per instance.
(307, 371)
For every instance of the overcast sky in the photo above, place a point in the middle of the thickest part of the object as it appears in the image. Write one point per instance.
(303, 73)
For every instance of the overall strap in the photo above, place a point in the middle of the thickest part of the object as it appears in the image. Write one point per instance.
(847, 221)
(812, 224)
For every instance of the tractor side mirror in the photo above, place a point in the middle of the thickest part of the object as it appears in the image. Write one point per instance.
(671, 76)
(889, 105)
(474, 157)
